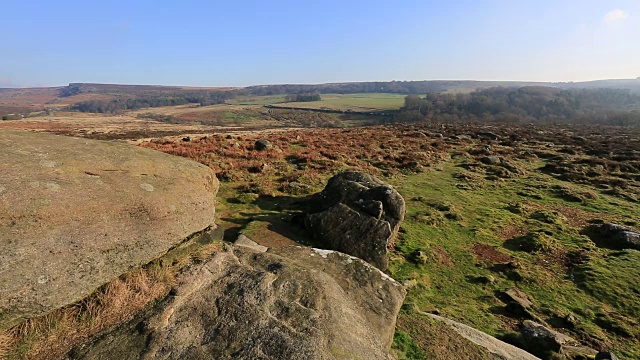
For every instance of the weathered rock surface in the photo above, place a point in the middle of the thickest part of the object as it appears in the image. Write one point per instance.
(77, 213)
(357, 214)
(499, 349)
(286, 303)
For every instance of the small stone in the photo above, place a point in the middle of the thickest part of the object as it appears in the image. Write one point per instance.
(262, 145)
(486, 279)
(491, 160)
(244, 241)
(420, 257)
(409, 283)
(571, 320)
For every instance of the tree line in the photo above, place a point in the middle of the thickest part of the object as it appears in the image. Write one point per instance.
(398, 87)
(526, 104)
(304, 97)
(122, 104)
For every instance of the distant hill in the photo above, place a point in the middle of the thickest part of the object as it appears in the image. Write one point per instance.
(630, 84)
(431, 86)
(29, 100)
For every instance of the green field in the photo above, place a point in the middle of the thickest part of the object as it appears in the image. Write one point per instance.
(353, 102)
(257, 100)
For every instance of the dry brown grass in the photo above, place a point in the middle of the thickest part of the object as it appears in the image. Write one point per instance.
(302, 154)
(5, 345)
(52, 335)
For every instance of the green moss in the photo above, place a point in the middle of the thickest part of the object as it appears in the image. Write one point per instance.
(614, 281)
(435, 252)
(549, 217)
(406, 348)
(247, 198)
(536, 241)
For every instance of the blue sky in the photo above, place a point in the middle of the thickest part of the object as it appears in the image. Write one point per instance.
(237, 43)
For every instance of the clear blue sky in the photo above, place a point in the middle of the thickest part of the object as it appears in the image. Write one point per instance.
(236, 43)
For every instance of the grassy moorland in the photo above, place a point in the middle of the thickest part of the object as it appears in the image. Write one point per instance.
(472, 230)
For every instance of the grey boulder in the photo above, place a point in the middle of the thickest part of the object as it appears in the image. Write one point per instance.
(357, 214)
(618, 236)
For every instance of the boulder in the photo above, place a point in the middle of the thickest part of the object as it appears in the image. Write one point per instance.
(286, 303)
(488, 135)
(357, 214)
(489, 344)
(77, 213)
(262, 145)
(541, 340)
(618, 236)
(491, 160)
(435, 135)
(518, 303)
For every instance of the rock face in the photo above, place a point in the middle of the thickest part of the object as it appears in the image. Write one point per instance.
(286, 303)
(77, 213)
(357, 214)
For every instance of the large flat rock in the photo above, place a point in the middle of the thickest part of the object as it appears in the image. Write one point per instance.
(285, 303)
(77, 213)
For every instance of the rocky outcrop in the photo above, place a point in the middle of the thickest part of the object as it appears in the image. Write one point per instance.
(357, 214)
(77, 213)
(286, 303)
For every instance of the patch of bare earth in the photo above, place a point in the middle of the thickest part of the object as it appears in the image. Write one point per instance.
(511, 231)
(441, 255)
(490, 254)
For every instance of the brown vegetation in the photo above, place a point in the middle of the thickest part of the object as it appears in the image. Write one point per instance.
(299, 155)
(52, 335)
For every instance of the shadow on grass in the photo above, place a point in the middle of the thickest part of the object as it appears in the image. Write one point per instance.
(283, 215)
